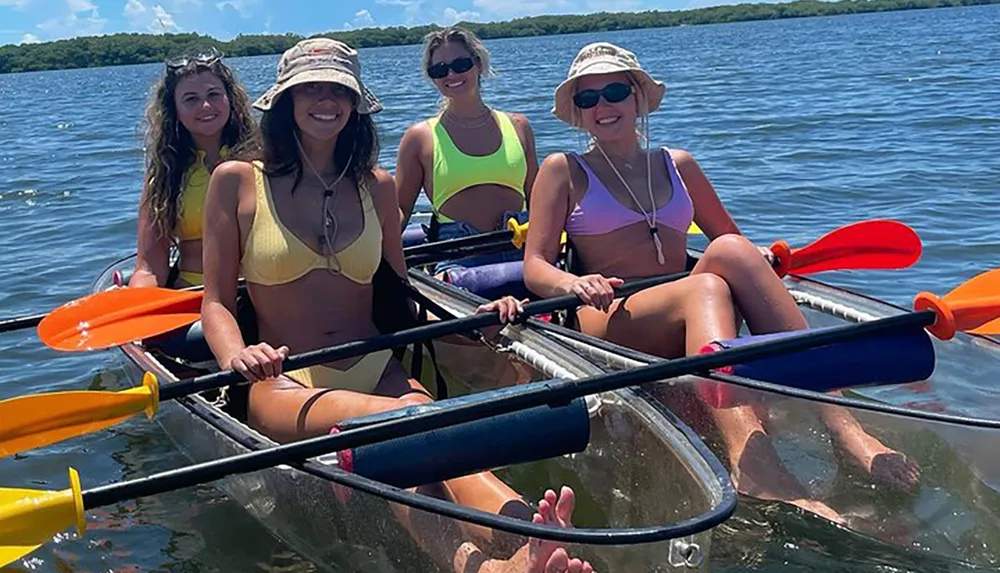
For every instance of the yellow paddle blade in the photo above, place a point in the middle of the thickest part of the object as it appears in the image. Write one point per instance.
(38, 420)
(694, 229)
(29, 518)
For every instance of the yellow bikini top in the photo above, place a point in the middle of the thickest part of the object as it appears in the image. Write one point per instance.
(274, 255)
(192, 201)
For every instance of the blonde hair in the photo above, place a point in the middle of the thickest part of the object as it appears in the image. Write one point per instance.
(456, 35)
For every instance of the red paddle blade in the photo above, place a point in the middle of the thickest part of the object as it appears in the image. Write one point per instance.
(118, 316)
(877, 244)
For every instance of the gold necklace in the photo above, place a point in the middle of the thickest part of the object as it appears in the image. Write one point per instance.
(473, 122)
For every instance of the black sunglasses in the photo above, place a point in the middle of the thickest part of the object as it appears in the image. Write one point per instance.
(613, 93)
(206, 59)
(459, 65)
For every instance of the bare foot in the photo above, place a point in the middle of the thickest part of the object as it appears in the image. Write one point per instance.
(543, 556)
(760, 473)
(892, 469)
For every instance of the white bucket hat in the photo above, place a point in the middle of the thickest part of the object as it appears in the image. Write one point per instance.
(320, 60)
(605, 58)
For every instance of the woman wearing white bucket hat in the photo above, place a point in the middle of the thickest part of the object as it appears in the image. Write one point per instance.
(626, 210)
(309, 223)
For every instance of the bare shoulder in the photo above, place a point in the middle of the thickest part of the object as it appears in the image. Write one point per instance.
(233, 172)
(519, 120)
(557, 165)
(416, 134)
(383, 191)
(682, 158)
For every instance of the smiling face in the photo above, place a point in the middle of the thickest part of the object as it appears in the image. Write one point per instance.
(202, 104)
(322, 109)
(608, 121)
(455, 83)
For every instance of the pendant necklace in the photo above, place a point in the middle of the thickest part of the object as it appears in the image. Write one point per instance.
(650, 218)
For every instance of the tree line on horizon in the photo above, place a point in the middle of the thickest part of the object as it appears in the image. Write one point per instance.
(136, 48)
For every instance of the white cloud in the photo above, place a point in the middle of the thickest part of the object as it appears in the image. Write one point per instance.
(15, 3)
(453, 16)
(80, 5)
(144, 19)
(363, 18)
(244, 7)
(29, 39)
(507, 9)
(73, 25)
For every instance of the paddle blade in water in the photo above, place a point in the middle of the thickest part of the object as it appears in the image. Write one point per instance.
(34, 421)
(29, 518)
(118, 316)
(878, 244)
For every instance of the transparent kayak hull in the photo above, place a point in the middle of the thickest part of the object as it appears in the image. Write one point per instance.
(643, 474)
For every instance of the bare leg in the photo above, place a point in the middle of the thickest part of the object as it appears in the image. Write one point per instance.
(764, 302)
(679, 318)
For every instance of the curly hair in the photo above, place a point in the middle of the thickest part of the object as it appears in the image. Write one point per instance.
(357, 146)
(169, 147)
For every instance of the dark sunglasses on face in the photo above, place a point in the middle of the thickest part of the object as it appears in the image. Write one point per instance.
(458, 65)
(613, 93)
(205, 59)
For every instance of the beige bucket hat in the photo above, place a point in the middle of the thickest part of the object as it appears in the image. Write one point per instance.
(320, 60)
(605, 58)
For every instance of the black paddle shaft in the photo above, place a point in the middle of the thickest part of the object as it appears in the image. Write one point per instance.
(553, 393)
(401, 338)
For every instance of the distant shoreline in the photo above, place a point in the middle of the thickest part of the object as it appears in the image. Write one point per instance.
(134, 48)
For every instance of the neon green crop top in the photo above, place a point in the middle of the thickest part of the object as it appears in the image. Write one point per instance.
(455, 171)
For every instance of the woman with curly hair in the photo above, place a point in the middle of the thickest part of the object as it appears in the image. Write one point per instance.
(198, 112)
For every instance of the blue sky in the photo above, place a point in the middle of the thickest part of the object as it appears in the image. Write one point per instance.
(40, 20)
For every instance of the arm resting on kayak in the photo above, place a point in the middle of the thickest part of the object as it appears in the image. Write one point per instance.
(549, 208)
(409, 171)
(152, 261)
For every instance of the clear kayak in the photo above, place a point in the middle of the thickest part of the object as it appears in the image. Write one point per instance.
(648, 489)
(948, 521)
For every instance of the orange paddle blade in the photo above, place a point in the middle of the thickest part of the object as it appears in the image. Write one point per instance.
(38, 420)
(976, 304)
(118, 316)
(877, 244)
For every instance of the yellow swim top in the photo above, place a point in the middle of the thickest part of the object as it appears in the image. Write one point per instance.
(274, 255)
(193, 191)
(455, 171)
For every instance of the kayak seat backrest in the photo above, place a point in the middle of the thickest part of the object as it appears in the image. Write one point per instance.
(491, 281)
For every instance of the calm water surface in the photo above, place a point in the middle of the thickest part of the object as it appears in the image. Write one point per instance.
(802, 126)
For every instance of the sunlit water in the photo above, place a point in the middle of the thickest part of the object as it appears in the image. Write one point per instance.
(802, 126)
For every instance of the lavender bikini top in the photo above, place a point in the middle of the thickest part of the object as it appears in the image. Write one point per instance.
(598, 212)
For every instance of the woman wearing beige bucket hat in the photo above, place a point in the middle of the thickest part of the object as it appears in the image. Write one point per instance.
(475, 164)
(626, 210)
(313, 224)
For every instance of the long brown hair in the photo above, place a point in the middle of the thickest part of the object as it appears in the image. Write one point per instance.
(358, 143)
(170, 150)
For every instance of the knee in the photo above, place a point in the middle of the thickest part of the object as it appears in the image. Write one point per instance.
(413, 399)
(728, 251)
(709, 286)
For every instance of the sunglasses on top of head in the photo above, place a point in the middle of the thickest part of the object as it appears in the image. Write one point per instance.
(458, 65)
(205, 59)
(612, 93)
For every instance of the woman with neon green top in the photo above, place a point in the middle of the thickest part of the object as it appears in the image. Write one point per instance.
(475, 164)
(197, 112)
